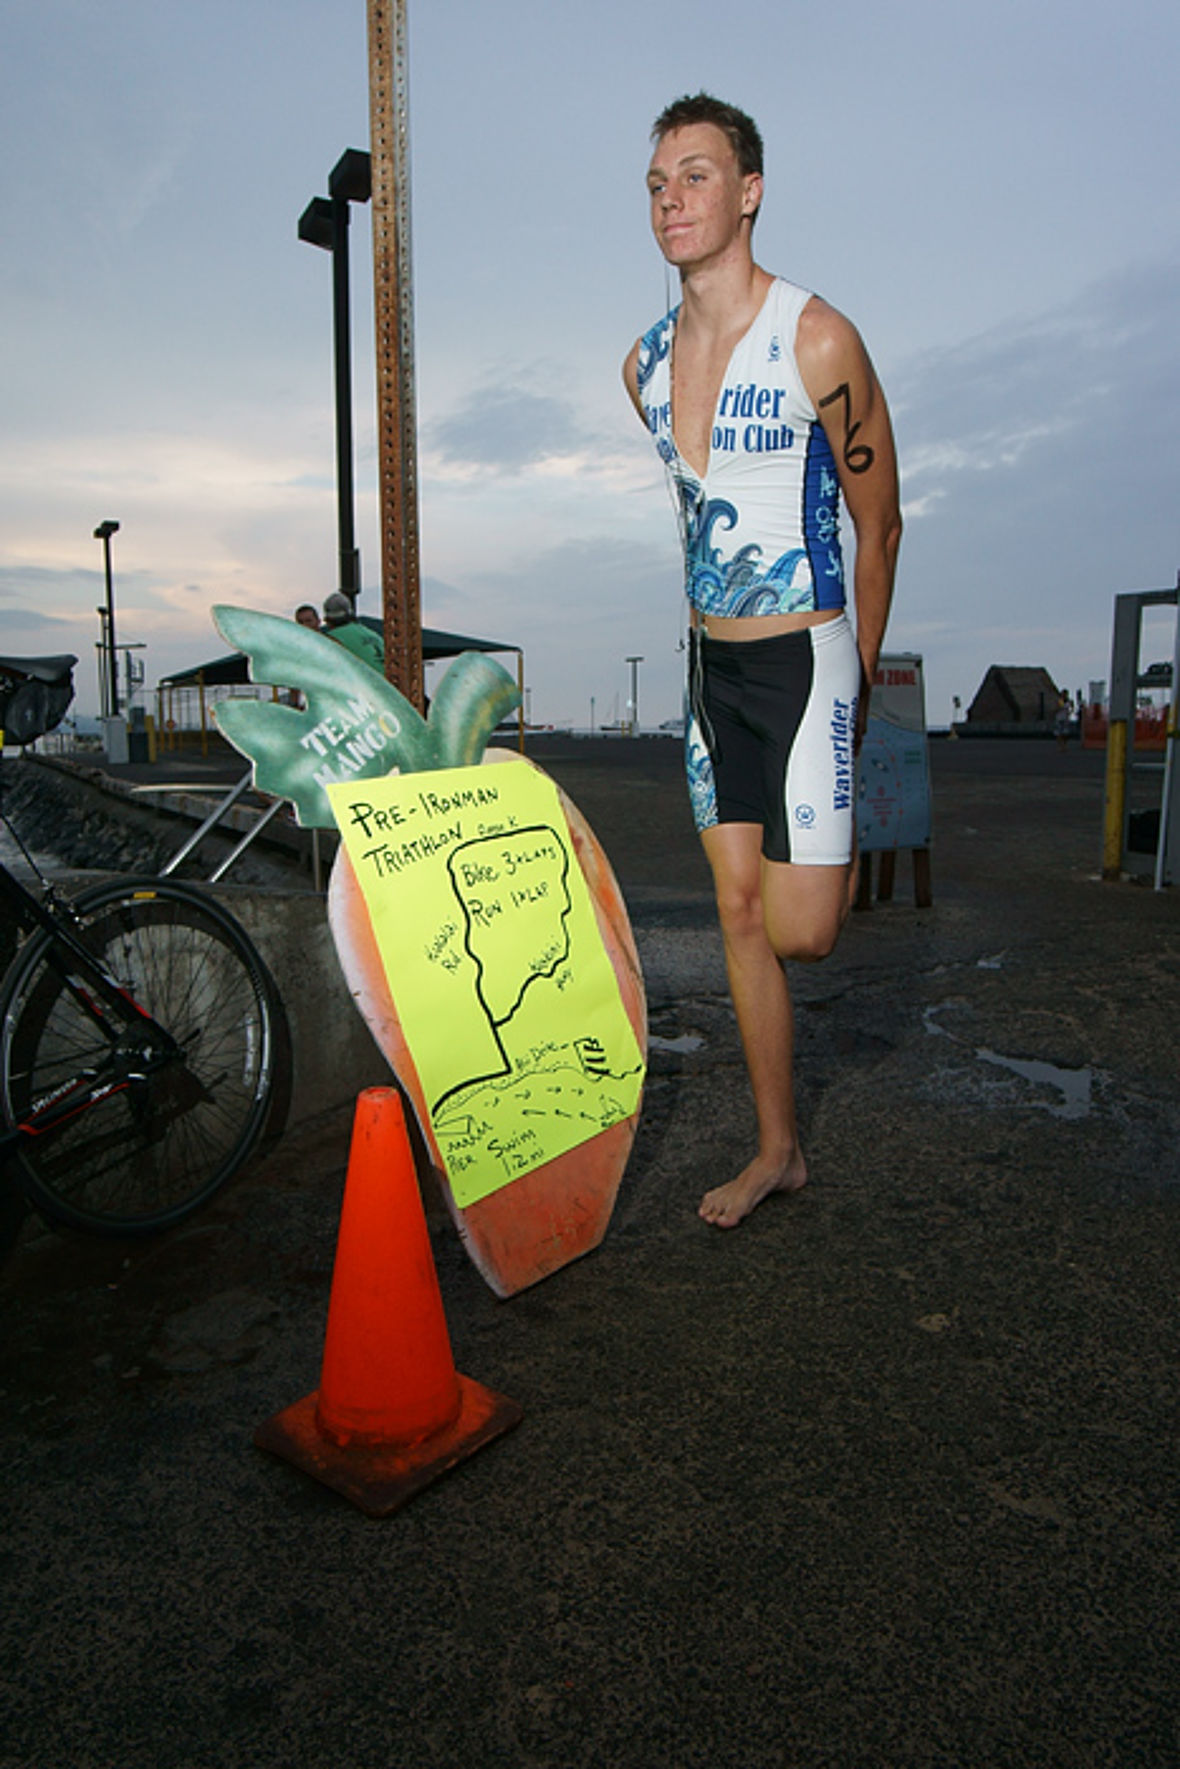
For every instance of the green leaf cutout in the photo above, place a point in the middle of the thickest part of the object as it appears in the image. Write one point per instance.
(354, 725)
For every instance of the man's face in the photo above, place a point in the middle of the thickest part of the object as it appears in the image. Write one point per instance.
(307, 617)
(698, 195)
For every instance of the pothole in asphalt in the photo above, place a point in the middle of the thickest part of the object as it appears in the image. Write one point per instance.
(1074, 1085)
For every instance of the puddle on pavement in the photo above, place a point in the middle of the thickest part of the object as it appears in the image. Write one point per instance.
(1074, 1085)
(688, 1041)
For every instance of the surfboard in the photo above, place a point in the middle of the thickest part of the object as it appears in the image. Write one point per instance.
(560, 1210)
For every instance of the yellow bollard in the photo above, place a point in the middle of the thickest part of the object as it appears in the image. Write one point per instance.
(1116, 799)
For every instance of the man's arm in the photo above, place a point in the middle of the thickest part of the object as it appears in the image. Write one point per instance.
(631, 380)
(844, 389)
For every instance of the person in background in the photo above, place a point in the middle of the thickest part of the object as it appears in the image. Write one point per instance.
(1061, 721)
(341, 624)
(308, 616)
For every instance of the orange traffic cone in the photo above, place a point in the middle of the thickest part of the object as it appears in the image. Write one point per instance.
(391, 1413)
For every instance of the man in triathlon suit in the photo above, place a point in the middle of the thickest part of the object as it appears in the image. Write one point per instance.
(764, 407)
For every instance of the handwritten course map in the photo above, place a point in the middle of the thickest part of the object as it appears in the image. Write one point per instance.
(506, 995)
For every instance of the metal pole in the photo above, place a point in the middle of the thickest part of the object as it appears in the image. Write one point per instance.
(103, 533)
(1120, 730)
(113, 663)
(1167, 837)
(349, 558)
(102, 658)
(1115, 798)
(394, 321)
(635, 663)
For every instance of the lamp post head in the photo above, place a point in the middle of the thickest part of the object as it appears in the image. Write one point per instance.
(350, 181)
(352, 177)
(105, 530)
(315, 223)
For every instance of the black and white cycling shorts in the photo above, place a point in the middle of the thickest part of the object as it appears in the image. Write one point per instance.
(769, 738)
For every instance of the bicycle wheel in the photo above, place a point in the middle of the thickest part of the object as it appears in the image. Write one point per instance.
(146, 1156)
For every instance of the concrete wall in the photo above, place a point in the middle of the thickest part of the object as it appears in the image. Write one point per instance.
(332, 1055)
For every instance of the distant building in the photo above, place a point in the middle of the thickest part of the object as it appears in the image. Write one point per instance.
(1010, 695)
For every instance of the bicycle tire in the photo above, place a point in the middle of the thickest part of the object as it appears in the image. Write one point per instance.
(147, 1157)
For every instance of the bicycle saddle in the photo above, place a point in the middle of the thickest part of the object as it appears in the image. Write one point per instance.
(41, 669)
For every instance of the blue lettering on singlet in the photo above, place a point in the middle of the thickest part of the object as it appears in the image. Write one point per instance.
(745, 400)
(756, 439)
(765, 439)
(653, 348)
(821, 521)
(750, 401)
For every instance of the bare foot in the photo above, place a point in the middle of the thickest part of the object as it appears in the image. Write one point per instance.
(730, 1204)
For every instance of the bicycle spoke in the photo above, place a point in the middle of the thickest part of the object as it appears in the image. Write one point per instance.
(152, 1151)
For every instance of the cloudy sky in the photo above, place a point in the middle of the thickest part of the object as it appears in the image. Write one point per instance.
(990, 192)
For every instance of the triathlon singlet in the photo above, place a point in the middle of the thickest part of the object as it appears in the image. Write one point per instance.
(761, 534)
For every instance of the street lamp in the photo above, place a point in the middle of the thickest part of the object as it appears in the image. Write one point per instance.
(635, 663)
(103, 533)
(324, 223)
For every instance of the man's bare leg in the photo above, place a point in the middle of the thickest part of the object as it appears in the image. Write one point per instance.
(804, 908)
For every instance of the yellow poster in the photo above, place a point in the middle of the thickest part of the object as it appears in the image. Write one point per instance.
(506, 995)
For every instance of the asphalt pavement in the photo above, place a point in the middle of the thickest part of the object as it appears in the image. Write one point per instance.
(884, 1477)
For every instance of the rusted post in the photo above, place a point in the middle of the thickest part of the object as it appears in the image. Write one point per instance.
(397, 450)
(1115, 809)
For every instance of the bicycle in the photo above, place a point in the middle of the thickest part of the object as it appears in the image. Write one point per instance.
(137, 1039)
